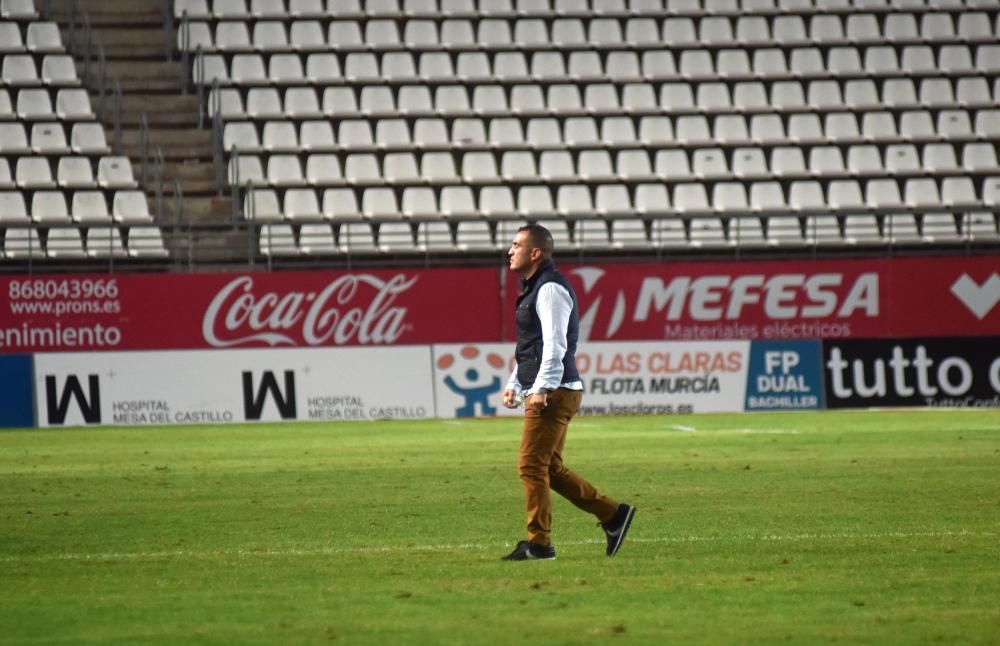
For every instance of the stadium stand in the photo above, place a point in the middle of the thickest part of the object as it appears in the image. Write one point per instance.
(402, 127)
(66, 196)
(682, 111)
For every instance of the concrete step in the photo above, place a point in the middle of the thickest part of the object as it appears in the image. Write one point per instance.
(171, 139)
(129, 70)
(210, 208)
(135, 41)
(190, 189)
(112, 11)
(169, 111)
(200, 185)
(197, 210)
(154, 76)
(151, 74)
(170, 153)
(219, 245)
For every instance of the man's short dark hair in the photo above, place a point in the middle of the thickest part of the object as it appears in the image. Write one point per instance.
(540, 238)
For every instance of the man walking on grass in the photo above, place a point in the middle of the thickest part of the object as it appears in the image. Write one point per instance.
(547, 381)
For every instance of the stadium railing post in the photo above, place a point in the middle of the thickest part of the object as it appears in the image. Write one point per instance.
(168, 29)
(159, 181)
(87, 39)
(144, 147)
(185, 31)
(118, 118)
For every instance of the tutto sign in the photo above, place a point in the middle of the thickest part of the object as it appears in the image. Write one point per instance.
(213, 387)
(265, 310)
(785, 299)
(954, 372)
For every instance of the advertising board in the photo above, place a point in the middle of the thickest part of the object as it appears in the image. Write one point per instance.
(223, 386)
(638, 378)
(257, 310)
(698, 301)
(943, 372)
(16, 402)
(821, 299)
(785, 375)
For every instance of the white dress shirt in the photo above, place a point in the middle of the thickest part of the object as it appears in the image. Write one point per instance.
(553, 306)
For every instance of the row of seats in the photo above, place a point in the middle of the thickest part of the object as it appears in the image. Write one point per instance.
(70, 104)
(593, 31)
(283, 169)
(84, 206)
(607, 98)
(621, 132)
(36, 37)
(54, 70)
(230, 9)
(477, 235)
(714, 31)
(20, 243)
(85, 138)
(633, 99)
(71, 171)
(19, 10)
(691, 64)
(579, 200)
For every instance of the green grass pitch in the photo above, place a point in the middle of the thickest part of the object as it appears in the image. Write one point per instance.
(860, 527)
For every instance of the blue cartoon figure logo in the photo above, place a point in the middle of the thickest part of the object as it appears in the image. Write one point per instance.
(474, 393)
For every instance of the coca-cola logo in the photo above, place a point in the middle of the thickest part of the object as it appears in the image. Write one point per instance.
(351, 309)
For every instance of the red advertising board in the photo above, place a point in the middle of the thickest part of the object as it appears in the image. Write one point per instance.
(829, 299)
(221, 310)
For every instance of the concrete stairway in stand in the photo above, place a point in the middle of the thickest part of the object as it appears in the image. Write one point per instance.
(134, 39)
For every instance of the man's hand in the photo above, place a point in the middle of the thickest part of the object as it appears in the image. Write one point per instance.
(537, 401)
(509, 399)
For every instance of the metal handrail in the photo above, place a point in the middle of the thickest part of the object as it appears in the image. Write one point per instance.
(159, 183)
(207, 107)
(168, 29)
(185, 32)
(237, 209)
(178, 202)
(71, 28)
(117, 118)
(251, 223)
(219, 156)
(102, 80)
(144, 148)
(88, 43)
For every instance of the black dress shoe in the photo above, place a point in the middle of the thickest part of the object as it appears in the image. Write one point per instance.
(616, 528)
(528, 551)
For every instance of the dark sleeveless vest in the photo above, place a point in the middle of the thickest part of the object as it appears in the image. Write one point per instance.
(529, 329)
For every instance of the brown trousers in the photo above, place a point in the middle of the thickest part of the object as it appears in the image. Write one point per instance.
(541, 467)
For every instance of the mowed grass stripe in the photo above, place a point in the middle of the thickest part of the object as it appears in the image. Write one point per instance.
(383, 549)
(875, 527)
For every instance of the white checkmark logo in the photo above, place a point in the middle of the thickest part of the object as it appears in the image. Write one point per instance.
(980, 299)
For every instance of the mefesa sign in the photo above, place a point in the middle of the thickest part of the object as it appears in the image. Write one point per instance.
(786, 299)
(262, 310)
(781, 300)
